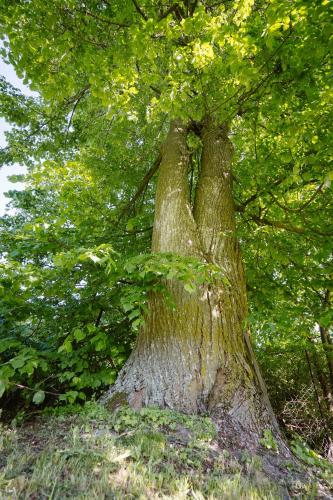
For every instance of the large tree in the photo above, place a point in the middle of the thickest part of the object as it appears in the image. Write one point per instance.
(193, 77)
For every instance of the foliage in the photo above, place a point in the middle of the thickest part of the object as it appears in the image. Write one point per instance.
(99, 296)
(323, 467)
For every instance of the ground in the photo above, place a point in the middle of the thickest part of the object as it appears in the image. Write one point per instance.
(152, 454)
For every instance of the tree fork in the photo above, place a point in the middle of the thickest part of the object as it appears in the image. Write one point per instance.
(195, 358)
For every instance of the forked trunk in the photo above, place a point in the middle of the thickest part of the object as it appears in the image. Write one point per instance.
(197, 357)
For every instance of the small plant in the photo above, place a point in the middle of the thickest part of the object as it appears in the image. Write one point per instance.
(268, 441)
(323, 467)
(187, 427)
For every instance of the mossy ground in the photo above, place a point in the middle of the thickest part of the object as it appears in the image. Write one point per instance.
(147, 454)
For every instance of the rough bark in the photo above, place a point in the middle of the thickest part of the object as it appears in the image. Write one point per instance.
(197, 357)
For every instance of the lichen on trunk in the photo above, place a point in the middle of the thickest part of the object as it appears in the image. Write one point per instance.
(196, 357)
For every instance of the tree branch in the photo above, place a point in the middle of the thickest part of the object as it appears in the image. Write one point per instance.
(262, 221)
(139, 10)
(134, 233)
(305, 204)
(99, 317)
(174, 8)
(145, 181)
(78, 98)
(241, 208)
(192, 7)
(100, 18)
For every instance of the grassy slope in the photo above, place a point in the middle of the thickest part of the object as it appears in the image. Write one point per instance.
(148, 454)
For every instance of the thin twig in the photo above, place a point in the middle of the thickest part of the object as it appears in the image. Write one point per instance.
(21, 386)
(153, 169)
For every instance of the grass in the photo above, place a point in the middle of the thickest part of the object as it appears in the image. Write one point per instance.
(149, 454)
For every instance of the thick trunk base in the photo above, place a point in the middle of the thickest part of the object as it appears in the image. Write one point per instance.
(194, 364)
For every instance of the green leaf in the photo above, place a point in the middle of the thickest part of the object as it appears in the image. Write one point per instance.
(39, 397)
(18, 362)
(130, 224)
(100, 345)
(134, 314)
(137, 323)
(189, 287)
(69, 396)
(3, 387)
(79, 334)
(66, 346)
(127, 306)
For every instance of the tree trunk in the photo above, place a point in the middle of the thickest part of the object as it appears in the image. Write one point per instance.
(328, 349)
(327, 341)
(321, 376)
(197, 358)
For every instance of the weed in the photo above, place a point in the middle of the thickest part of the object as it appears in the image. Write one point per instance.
(268, 441)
